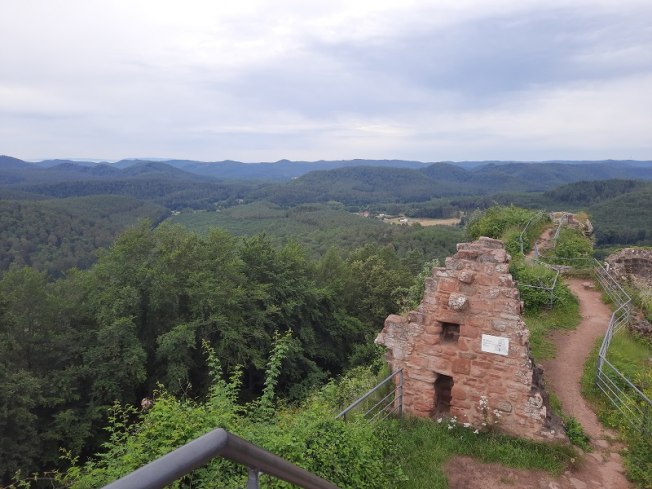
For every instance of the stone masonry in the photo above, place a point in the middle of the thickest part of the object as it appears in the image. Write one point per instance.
(466, 341)
(632, 265)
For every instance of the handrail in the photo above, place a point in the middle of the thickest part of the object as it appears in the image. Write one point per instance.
(219, 442)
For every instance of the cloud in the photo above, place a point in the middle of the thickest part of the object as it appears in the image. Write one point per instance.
(258, 80)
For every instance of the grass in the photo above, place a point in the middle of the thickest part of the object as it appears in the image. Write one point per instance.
(564, 316)
(629, 355)
(425, 446)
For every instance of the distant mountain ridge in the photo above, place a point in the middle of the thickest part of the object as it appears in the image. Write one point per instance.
(369, 185)
(352, 182)
(286, 170)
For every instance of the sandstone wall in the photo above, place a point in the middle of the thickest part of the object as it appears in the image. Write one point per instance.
(632, 265)
(470, 302)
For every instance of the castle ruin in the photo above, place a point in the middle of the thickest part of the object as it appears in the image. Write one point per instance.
(467, 343)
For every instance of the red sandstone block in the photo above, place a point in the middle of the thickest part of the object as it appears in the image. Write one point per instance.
(429, 339)
(481, 364)
(484, 280)
(461, 366)
(447, 285)
(422, 405)
(497, 389)
(481, 306)
(458, 392)
(440, 365)
(417, 361)
(462, 407)
(479, 322)
(469, 331)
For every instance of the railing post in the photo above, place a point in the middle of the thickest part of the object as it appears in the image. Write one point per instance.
(400, 394)
(252, 478)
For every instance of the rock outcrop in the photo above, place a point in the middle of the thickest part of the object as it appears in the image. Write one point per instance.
(465, 350)
(580, 221)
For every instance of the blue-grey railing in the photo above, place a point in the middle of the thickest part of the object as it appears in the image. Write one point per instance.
(388, 404)
(522, 236)
(633, 404)
(218, 443)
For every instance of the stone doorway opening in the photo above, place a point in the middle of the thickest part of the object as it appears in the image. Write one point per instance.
(443, 395)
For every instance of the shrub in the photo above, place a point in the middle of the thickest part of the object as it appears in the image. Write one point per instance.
(572, 245)
(496, 220)
(350, 455)
(534, 283)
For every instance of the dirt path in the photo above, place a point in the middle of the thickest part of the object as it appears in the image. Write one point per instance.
(602, 468)
(543, 243)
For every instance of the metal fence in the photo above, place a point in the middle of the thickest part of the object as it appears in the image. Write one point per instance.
(632, 403)
(523, 234)
(628, 398)
(218, 443)
(381, 401)
(550, 289)
(562, 221)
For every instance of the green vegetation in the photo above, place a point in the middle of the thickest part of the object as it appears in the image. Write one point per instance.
(319, 227)
(624, 220)
(351, 454)
(497, 220)
(572, 248)
(548, 302)
(642, 298)
(82, 327)
(565, 316)
(406, 453)
(426, 445)
(540, 286)
(630, 356)
(137, 318)
(56, 235)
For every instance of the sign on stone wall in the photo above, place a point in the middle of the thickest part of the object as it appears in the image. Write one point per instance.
(495, 344)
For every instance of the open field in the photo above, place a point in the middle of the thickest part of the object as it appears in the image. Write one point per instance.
(451, 221)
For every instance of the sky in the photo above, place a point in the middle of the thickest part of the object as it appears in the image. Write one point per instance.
(309, 80)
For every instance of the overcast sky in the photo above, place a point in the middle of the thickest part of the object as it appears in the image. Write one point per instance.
(307, 80)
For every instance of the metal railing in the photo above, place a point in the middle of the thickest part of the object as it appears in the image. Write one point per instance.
(521, 237)
(562, 220)
(388, 404)
(550, 289)
(632, 403)
(218, 443)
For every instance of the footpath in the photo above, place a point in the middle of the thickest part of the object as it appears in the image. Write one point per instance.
(602, 468)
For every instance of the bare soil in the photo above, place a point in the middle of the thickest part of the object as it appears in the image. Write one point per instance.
(602, 467)
(543, 243)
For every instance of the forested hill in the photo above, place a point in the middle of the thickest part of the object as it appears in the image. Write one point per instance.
(368, 185)
(553, 172)
(56, 235)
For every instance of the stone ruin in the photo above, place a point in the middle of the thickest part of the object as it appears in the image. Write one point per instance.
(580, 221)
(633, 265)
(466, 341)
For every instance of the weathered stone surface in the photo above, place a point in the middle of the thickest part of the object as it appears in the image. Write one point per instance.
(579, 222)
(632, 265)
(440, 347)
(466, 276)
(457, 302)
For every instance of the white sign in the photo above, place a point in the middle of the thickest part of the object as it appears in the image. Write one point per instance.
(495, 344)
